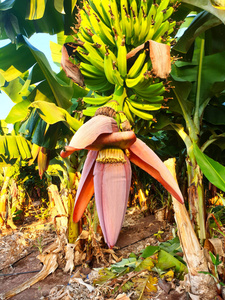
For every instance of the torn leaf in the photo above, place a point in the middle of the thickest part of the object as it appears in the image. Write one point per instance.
(160, 57)
(72, 71)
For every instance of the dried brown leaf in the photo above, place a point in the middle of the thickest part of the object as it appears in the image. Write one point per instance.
(160, 57)
(69, 257)
(72, 71)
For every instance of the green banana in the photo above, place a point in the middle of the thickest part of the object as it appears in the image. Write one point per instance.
(133, 82)
(82, 55)
(158, 20)
(152, 90)
(105, 34)
(87, 75)
(108, 68)
(99, 10)
(120, 95)
(143, 10)
(163, 5)
(127, 112)
(115, 21)
(97, 100)
(99, 44)
(93, 51)
(99, 84)
(136, 30)
(168, 13)
(138, 64)
(111, 28)
(94, 22)
(150, 20)
(122, 58)
(105, 12)
(139, 113)
(83, 35)
(161, 31)
(133, 7)
(144, 106)
(118, 80)
(90, 70)
(90, 111)
(155, 99)
(144, 25)
(123, 12)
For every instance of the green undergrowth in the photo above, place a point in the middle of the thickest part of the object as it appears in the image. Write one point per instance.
(141, 272)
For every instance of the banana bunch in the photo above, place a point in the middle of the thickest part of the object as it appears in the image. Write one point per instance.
(109, 30)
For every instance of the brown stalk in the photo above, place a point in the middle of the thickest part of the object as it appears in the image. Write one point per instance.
(200, 286)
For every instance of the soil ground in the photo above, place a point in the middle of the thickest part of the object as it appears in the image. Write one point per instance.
(19, 250)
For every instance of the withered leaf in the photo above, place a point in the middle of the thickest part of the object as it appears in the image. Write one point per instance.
(159, 54)
(72, 71)
(160, 57)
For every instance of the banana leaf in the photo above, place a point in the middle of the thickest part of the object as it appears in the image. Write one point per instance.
(214, 171)
(167, 261)
(202, 22)
(28, 17)
(14, 146)
(187, 73)
(52, 114)
(18, 112)
(206, 5)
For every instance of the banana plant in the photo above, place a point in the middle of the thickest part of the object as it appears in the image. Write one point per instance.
(198, 91)
(44, 102)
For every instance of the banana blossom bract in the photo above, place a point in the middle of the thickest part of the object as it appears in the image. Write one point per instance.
(107, 171)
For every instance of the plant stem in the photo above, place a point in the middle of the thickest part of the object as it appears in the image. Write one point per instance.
(195, 186)
(196, 194)
(192, 130)
(202, 286)
(73, 228)
(198, 92)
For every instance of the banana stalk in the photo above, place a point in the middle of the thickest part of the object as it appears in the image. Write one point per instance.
(200, 285)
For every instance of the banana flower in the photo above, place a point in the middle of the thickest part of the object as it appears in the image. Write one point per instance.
(107, 171)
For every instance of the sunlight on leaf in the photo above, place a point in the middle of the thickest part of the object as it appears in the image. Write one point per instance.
(146, 286)
(104, 275)
(167, 261)
(168, 276)
(146, 264)
(37, 9)
(213, 171)
(59, 6)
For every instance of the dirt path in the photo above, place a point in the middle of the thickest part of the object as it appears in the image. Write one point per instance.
(19, 250)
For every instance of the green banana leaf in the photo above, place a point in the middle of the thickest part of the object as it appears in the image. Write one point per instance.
(202, 22)
(211, 74)
(18, 112)
(167, 261)
(20, 88)
(62, 93)
(206, 5)
(14, 62)
(213, 171)
(28, 17)
(214, 114)
(53, 88)
(46, 124)
(3, 127)
(14, 146)
(52, 114)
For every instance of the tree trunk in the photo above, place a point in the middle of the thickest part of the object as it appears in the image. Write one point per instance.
(199, 285)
